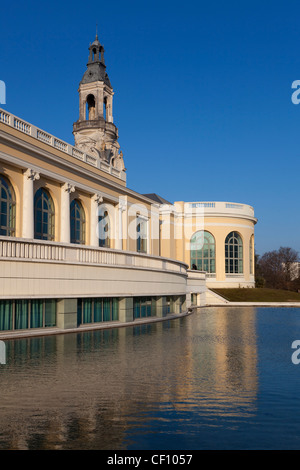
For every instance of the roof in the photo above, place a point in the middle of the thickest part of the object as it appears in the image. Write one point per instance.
(157, 198)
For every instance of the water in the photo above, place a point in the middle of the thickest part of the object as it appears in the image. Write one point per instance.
(221, 378)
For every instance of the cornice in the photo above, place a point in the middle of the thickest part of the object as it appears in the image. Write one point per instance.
(64, 164)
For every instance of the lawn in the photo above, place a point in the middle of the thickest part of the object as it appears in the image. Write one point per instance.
(258, 295)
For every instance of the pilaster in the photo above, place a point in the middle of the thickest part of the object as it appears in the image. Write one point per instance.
(29, 177)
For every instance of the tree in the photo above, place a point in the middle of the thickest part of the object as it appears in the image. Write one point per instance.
(276, 267)
(259, 278)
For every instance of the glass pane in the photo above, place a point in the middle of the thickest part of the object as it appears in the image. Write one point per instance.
(143, 309)
(36, 316)
(6, 314)
(50, 312)
(106, 309)
(149, 308)
(136, 308)
(87, 310)
(98, 310)
(79, 312)
(240, 266)
(21, 314)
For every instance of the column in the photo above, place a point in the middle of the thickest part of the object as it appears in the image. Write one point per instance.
(28, 203)
(177, 305)
(119, 225)
(67, 313)
(109, 113)
(126, 309)
(66, 189)
(95, 201)
(160, 306)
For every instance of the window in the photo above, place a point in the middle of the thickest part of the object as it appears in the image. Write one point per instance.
(97, 310)
(104, 230)
(77, 222)
(7, 208)
(141, 229)
(203, 251)
(233, 253)
(90, 108)
(143, 307)
(43, 215)
(24, 314)
(104, 108)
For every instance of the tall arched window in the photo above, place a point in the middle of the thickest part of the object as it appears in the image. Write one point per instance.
(203, 251)
(233, 253)
(141, 229)
(7, 208)
(43, 215)
(104, 230)
(77, 222)
(104, 108)
(251, 254)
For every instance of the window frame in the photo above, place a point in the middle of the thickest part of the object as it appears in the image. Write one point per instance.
(44, 195)
(77, 215)
(7, 229)
(234, 255)
(200, 260)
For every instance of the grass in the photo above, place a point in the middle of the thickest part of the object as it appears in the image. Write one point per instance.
(258, 295)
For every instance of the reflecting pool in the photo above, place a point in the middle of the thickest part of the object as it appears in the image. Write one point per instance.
(221, 378)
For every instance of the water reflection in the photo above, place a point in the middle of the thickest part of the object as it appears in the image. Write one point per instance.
(130, 387)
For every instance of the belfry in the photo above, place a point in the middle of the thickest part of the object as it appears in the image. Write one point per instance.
(95, 132)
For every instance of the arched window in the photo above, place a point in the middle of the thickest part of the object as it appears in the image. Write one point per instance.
(104, 108)
(233, 253)
(104, 230)
(90, 108)
(141, 229)
(77, 222)
(7, 208)
(203, 251)
(43, 215)
(251, 254)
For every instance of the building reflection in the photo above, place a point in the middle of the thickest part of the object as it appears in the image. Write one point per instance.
(95, 390)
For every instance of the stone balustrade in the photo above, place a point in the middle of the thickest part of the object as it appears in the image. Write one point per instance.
(40, 250)
(210, 208)
(45, 137)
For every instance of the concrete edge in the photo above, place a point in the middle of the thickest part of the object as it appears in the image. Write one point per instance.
(255, 304)
(81, 329)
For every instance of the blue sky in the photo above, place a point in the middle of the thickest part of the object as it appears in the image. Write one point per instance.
(202, 94)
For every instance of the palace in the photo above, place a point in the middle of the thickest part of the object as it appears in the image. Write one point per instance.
(78, 248)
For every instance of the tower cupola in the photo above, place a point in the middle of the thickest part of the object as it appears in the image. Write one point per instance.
(96, 68)
(95, 132)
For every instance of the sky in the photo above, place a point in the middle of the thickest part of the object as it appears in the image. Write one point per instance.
(203, 94)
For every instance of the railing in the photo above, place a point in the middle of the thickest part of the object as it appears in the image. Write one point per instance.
(39, 250)
(220, 208)
(195, 274)
(234, 275)
(39, 134)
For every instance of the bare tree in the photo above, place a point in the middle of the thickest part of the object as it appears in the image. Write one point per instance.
(276, 267)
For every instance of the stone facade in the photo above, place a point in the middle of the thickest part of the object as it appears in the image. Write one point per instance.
(72, 233)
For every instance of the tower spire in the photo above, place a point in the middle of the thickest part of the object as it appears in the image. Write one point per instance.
(95, 132)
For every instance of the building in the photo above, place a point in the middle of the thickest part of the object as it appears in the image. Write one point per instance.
(77, 247)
